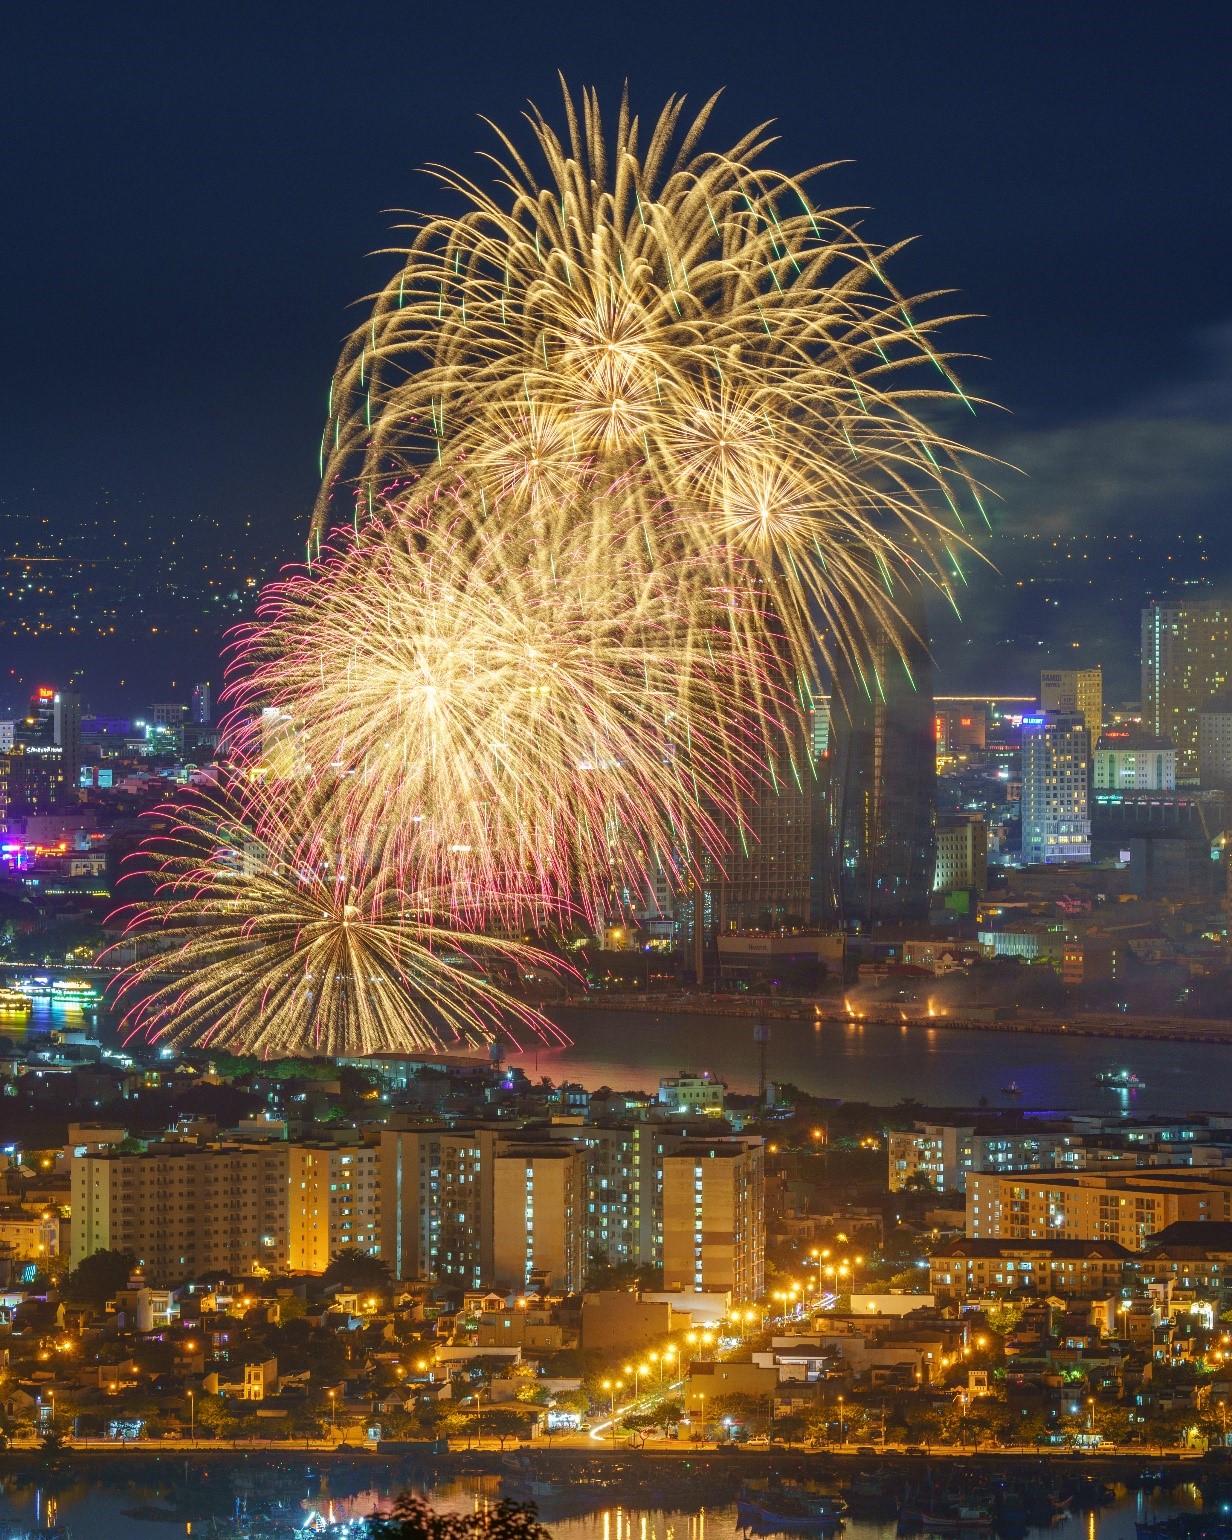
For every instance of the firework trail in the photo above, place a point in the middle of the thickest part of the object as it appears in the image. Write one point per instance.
(289, 941)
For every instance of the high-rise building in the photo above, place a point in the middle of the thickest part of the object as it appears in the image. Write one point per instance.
(882, 786)
(714, 1217)
(1056, 813)
(436, 1203)
(201, 705)
(962, 854)
(770, 871)
(819, 724)
(31, 781)
(167, 714)
(539, 1202)
(961, 725)
(182, 1210)
(454, 1200)
(66, 732)
(1186, 661)
(1127, 759)
(1215, 743)
(1076, 689)
(333, 1203)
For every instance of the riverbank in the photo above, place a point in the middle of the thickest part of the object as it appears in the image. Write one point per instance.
(1009, 1019)
(734, 1461)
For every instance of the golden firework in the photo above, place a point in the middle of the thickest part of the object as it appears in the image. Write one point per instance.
(513, 715)
(270, 933)
(686, 330)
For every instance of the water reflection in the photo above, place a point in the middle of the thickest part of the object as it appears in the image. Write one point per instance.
(121, 1507)
(885, 1062)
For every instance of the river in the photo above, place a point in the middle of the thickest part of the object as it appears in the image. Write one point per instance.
(860, 1061)
(96, 1511)
(865, 1061)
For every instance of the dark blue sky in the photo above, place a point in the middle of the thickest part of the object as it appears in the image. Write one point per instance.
(190, 192)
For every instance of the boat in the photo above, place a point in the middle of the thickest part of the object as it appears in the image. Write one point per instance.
(1185, 1526)
(40, 986)
(963, 1520)
(14, 1001)
(1013, 1089)
(1119, 1080)
(789, 1509)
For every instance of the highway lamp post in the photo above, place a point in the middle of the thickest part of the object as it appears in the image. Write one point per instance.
(1091, 1415)
(656, 1358)
(192, 1416)
(669, 1357)
(842, 1431)
(333, 1414)
(608, 1386)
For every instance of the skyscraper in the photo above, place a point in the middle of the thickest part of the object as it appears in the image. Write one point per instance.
(770, 872)
(1186, 661)
(1056, 813)
(201, 705)
(1076, 689)
(66, 732)
(882, 791)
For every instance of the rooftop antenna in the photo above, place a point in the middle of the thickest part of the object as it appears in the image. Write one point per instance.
(761, 1036)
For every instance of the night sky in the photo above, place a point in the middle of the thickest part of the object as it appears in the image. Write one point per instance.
(191, 194)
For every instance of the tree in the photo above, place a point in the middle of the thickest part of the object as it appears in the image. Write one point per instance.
(791, 1428)
(414, 1519)
(98, 1278)
(639, 1425)
(504, 1422)
(352, 1268)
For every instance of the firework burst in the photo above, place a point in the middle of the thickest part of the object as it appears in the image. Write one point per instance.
(684, 326)
(268, 934)
(510, 715)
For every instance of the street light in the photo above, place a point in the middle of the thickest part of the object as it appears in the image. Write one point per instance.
(333, 1411)
(608, 1386)
(192, 1416)
(842, 1432)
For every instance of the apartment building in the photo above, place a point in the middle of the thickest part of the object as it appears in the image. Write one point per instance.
(439, 1207)
(333, 1202)
(437, 1203)
(945, 1153)
(988, 1269)
(714, 1217)
(539, 1205)
(182, 1210)
(1129, 1207)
